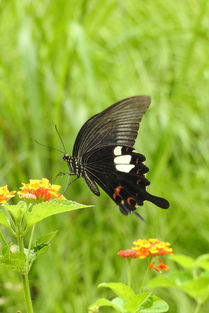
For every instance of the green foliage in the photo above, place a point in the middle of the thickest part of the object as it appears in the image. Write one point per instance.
(43, 243)
(63, 61)
(26, 216)
(130, 302)
(193, 280)
(45, 209)
(14, 259)
(20, 218)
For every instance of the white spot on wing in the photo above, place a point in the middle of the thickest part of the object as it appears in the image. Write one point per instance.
(126, 168)
(122, 159)
(117, 150)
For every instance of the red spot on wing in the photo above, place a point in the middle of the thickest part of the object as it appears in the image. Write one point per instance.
(130, 199)
(117, 191)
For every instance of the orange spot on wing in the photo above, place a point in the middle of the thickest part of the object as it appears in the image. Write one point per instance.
(130, 199)
(117, 191)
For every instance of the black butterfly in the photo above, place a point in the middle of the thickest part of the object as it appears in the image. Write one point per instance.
(103, 154)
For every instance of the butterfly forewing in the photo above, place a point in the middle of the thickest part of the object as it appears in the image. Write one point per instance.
(116, 125)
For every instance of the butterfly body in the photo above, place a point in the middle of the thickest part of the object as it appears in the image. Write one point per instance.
(75, 165)
(103, 155)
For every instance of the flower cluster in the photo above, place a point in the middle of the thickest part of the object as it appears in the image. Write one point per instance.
(149, 248)
(5, 194)
(40, 190)
(36, 189)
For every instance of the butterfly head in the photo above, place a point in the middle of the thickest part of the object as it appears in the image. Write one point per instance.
(66, 157)
(69, 160)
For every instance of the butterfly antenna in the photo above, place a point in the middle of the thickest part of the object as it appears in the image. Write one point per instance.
(41, 144)
(62, 142)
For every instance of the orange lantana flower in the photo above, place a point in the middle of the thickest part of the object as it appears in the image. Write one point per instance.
(40, 189)
(128, 253)
(159, 267)
(5, 194)
(151, 247)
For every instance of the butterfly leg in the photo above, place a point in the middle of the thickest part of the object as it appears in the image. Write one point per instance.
(61, 174)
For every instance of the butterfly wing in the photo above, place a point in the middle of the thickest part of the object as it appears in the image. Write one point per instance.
(120, 172)
(104, 148)
(116, 125)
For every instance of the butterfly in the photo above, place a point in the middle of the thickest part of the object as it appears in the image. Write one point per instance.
(104, 156)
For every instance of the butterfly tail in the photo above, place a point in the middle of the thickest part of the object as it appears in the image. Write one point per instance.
(160, 202)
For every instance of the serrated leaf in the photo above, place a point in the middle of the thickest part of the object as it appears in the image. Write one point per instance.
(157, 305)
(197, 288)
(121, 290)
(43, 210)
(115, 304)
(183, 260)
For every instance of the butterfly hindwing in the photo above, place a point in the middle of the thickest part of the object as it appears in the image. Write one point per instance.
(120, 172)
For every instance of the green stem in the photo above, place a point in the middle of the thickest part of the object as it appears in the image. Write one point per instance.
(145, 274)
(197, 309)
(29, 248)
(129, 272)
(25, 280)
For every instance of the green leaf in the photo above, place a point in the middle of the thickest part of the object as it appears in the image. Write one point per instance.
(17, 210)
(203, 262)
(42, 244)
(197, 288)
(42, 210)
(116, 303)
(161, 281)
(134, 304)
(183, 260)
(40, 249)
(121, 290)
(3, 218)
(119, 304)
(15, 259)
(170, 280)
(157, 305)
(47, 238)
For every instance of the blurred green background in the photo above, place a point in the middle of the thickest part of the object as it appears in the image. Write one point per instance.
(60, 63)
